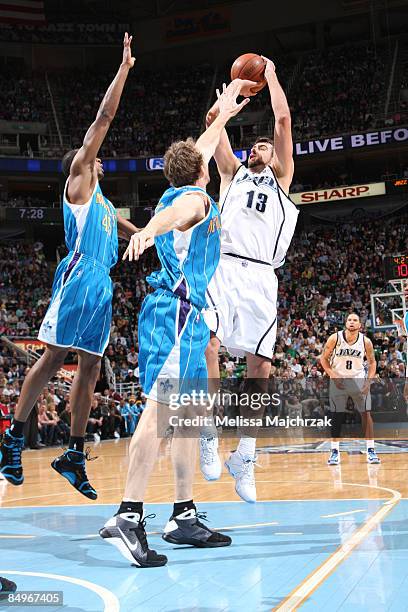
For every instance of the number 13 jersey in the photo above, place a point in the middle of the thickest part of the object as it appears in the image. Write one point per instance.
(257, 218)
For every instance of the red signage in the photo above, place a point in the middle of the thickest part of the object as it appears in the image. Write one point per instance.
(33, 344)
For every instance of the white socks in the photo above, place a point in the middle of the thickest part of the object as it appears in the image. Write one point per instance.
(335, 445)
(247, 447)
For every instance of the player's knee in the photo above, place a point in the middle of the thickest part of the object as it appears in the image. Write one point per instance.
(89, 366)
(54, 358)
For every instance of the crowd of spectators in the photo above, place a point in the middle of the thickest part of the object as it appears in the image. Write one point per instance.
(157, 107)
(339, 90)
(112, 415)
(26, 201)
(335, 91)
(402, 101)
(329, 271)
(25, 283)
(60, 33)
(23, 96)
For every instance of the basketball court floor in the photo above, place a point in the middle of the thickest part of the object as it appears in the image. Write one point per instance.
(319, 538)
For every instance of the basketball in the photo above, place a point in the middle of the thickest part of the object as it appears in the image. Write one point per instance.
(249, 66)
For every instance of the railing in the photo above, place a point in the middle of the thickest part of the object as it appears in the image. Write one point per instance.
(54, 112)
(127, 388)
(391, 81)
(18, 349)
(294, 75)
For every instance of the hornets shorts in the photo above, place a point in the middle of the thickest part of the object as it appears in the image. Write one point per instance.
(80, 312)
(173, 337)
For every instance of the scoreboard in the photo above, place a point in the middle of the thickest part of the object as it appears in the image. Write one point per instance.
(395, 267)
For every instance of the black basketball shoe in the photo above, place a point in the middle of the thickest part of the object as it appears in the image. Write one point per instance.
(127, 532)
(71, 465)
(11, 448)
(185, 528)
(6, 587)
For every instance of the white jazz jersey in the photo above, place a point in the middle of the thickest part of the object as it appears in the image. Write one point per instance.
(258, 220)
(257, 224)
(348, 359)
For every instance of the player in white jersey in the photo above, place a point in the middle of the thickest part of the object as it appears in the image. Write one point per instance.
(344, 360)
(258, 220)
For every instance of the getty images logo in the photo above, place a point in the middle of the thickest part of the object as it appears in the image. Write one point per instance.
(155, 163)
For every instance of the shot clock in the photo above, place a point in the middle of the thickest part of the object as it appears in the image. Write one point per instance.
(395, 267)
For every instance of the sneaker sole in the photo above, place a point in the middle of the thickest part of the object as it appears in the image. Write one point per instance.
(92, 497)
(193, 542)
(125, 552)
(211, 478)
(12, 479)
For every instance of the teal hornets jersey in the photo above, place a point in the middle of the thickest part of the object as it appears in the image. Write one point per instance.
(91, 228)
(189, 259)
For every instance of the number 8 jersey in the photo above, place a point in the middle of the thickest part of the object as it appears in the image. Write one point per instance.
(348, 359)
(258, 219)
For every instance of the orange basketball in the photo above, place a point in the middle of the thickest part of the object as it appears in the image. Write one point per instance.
(249, 66)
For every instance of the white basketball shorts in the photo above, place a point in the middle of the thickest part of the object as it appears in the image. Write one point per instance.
(351, 388)
(242, 296)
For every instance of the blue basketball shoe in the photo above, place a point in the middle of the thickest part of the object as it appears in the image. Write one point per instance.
(11, 448)
(71, 465)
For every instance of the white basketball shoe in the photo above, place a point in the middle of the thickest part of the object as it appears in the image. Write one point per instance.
(242, 469)
(210, 463)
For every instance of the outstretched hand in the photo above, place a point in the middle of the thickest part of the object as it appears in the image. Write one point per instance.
(137, 245)
(227, 100)
(127, 60)
(270, 68)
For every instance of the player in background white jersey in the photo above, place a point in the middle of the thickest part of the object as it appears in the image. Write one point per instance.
(343, 360)
(258, 221)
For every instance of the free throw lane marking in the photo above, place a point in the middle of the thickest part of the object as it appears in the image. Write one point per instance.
(302, 592)
(342, 513)
(20, 537)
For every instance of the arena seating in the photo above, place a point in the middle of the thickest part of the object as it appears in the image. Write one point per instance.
(314, 294)
(335, 91)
